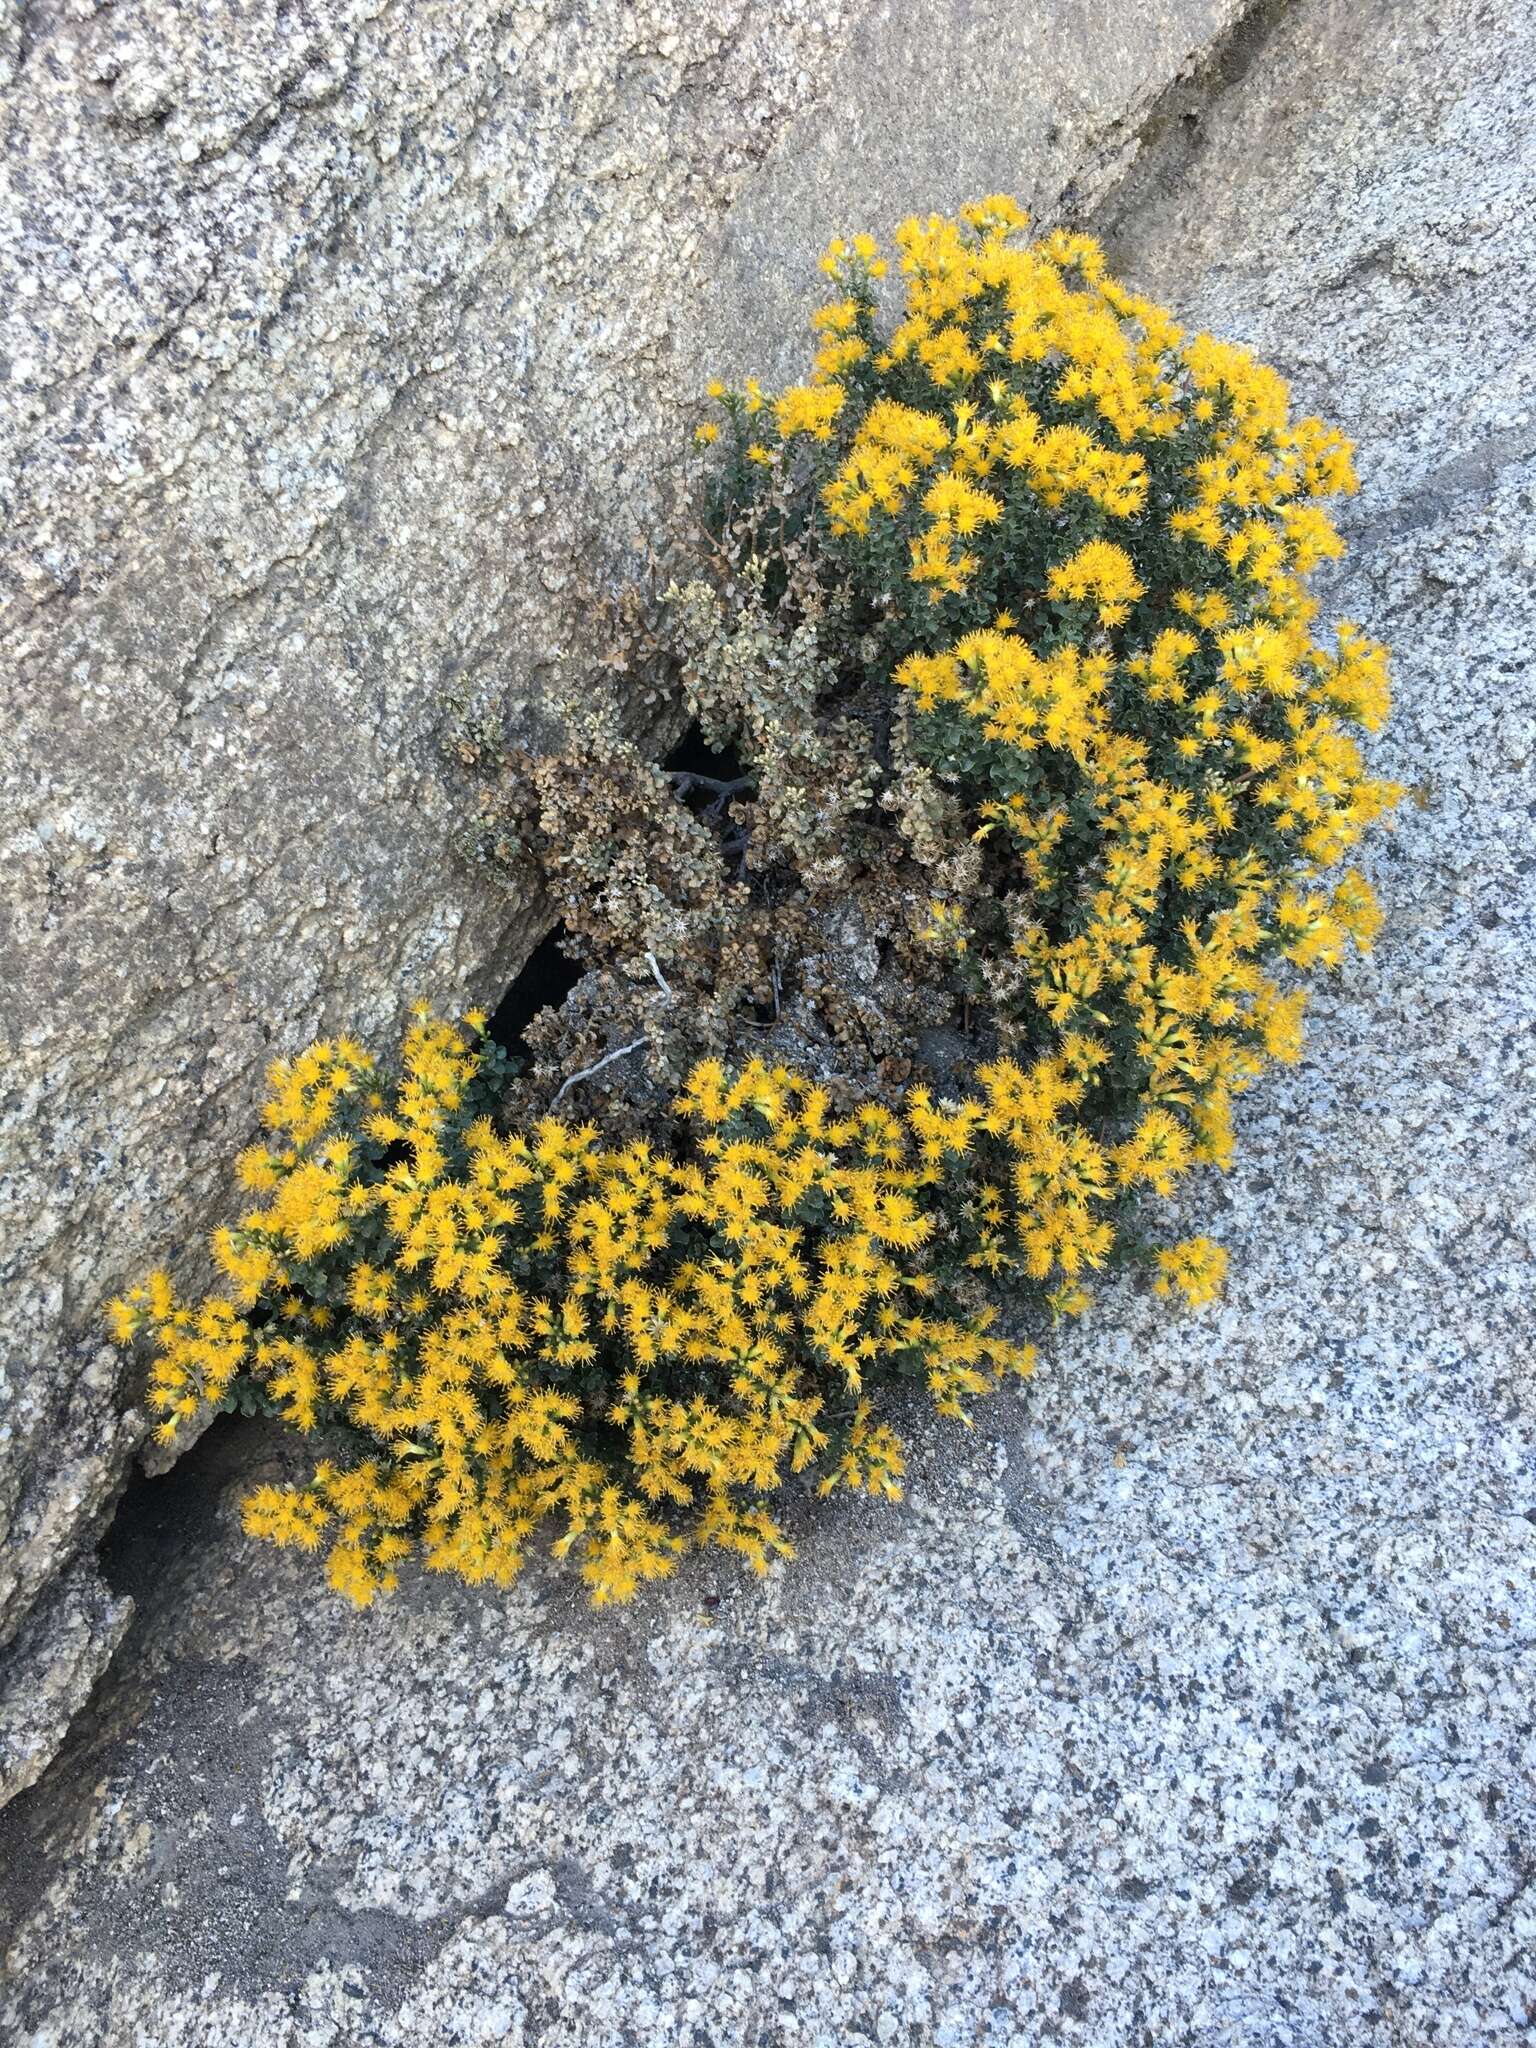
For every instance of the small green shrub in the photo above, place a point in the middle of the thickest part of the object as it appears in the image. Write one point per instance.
(1071, 542)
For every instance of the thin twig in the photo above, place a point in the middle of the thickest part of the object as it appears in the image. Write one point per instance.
(597, 1066)
(661, 979)
(737, 844)
(685, 779)
(689, 778)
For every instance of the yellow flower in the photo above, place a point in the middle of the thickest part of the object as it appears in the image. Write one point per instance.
(1103, 573)
(809, 409)
(1194, 1268)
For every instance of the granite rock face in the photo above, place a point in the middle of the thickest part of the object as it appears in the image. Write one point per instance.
(1186, 1700)
(935, 104)
(48, 1671)
(330, 337)
(347, 350)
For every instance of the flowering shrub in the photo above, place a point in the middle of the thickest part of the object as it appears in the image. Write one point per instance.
(634, 1343)
(1005, 629)
(1074, 542)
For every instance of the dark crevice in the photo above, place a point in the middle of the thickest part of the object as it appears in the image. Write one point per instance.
(708, 779)
(693, 755)
(1172, 134)
(168, 1515)
(214, 1890)
(159, 1522)
(543, 982)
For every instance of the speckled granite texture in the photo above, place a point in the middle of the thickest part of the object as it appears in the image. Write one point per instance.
(1187, 1701)
(346, 348)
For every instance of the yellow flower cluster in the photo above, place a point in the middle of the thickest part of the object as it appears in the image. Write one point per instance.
(1200, 1010)
(635, 1344)
(1195, 1268)
(1103, 573)
(1083, 536)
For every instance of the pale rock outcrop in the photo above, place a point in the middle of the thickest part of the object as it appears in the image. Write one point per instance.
(347, 349)
(1189, 1699)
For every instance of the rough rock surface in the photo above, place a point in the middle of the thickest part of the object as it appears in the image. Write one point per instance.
(1189, 1699)
(346, 346)
(934, 105)
(48, 1672)
(329, 334)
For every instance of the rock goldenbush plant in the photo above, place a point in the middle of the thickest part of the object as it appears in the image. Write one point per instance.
(1071, 543)
(1034, 786)
(634, 1342)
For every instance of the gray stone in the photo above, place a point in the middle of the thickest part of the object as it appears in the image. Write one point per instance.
(62, 1626)
(347, 350)
(1187, 1699)
(47, 1674)
(932, 106)
(332, 337)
